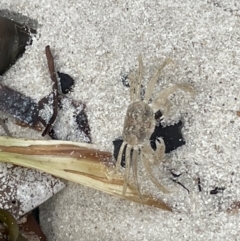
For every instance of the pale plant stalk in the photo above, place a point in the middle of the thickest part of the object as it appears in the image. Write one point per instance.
(77, 162)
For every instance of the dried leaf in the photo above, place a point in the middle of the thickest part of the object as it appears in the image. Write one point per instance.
(78, 162)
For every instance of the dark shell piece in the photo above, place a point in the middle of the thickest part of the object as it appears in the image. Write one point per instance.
(21, 107)
(13, 39)
(66, 82)
(18, 105)
(171, 135)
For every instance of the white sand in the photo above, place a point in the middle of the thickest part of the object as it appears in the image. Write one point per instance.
(95, 43)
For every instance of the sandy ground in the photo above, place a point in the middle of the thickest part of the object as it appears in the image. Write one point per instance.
(96, 43)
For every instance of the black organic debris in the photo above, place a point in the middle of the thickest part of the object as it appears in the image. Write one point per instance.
(66, 82)
(199, 184)
(171, 135)
(179, 183)
(175, 175)
(217, 190)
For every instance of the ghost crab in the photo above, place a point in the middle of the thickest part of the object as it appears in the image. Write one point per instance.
(139, 124)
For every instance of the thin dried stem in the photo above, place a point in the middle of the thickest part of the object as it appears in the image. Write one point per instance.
(52, 72)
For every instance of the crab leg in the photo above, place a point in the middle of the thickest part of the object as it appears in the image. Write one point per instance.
(136, 81)
(162, 102)
(119, 158)
(134, 168)
(154, 79)
(132, 86)
(147, 154)
(139, 79)
(127, 168)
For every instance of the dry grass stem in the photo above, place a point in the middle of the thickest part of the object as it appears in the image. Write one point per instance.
(77, 162)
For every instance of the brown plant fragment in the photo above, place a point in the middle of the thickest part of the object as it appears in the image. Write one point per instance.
(53, 76)
(31, 229)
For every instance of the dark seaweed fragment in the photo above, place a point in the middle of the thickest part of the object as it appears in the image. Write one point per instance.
(66, 82)
(171, 135)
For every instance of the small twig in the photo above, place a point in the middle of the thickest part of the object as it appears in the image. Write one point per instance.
(199, 185)
(52, 72)
(217, 190)
(175, 175)
(5, 128)
(179, 183)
